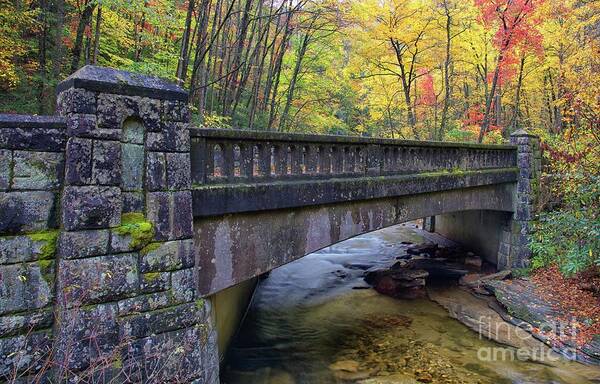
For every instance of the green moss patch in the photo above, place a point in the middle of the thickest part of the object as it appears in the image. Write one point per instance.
(151, 276)
(135, 225)
(47, 270)
(48, 250)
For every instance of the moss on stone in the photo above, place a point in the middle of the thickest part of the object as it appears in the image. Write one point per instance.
(136, 226)
(151, 276)
(118, 362)
(149, 248)
(200, 303)
(48, 250)
(47, 270)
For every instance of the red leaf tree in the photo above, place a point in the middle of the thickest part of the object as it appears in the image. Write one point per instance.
(515, 30)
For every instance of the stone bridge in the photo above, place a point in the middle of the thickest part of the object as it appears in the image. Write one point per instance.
(119, 220)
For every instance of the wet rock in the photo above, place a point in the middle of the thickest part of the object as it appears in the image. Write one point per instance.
(281, 377)
(349, 370)
(398, 282)
(427, 248)
(424, 377)
(345, 365)
(478, 314)
(450, 252)
(399, 289)
(476, 281)
(439, 269)
(473, 261)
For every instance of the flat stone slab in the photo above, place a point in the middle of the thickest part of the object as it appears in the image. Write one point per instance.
(9, 120)
(541, 318)
(108, 80)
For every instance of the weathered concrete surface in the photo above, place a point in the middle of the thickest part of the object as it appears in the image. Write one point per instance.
(480, 230)
(241, 246)
(223, 199)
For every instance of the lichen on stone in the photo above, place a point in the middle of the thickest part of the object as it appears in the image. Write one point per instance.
(151, 276)
(136, 226)
(149, 248)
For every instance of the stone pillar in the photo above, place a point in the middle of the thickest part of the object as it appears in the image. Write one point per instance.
(514, 249)
(126, 285)
(31, 171)
(429, 224)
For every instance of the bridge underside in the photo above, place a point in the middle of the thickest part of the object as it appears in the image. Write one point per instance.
(238, 246)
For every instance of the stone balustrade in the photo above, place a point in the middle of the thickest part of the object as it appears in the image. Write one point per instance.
(237, 156)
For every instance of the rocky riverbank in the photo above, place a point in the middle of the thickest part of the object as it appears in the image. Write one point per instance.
(512, 311)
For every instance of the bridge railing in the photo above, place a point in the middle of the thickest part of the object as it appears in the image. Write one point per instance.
(235, 156)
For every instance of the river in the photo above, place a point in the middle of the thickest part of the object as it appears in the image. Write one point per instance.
(316, 321)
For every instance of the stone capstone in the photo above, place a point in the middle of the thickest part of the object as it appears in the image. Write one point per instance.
(33, 139)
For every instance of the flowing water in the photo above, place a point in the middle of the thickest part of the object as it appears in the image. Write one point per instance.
(315, 321)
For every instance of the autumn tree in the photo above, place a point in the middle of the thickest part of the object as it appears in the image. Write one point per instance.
(514, 24)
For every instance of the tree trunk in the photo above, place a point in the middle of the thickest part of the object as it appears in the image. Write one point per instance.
(84, 21)
(517, 111)
(138, 37)
(183, 55)
(292, 86)
(42, 52)
(447, 90)
(97, 35)
(488, 102)
(58, 49)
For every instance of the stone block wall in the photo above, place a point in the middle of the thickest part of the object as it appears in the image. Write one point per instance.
(97, 256)
(31, 176)
(515, 244)
(513, 251)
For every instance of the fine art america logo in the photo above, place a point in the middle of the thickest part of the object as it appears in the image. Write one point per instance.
(526, 346)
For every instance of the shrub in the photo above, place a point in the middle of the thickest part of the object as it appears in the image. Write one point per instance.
(569, 236)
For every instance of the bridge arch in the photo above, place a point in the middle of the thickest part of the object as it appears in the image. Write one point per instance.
(237, 247)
